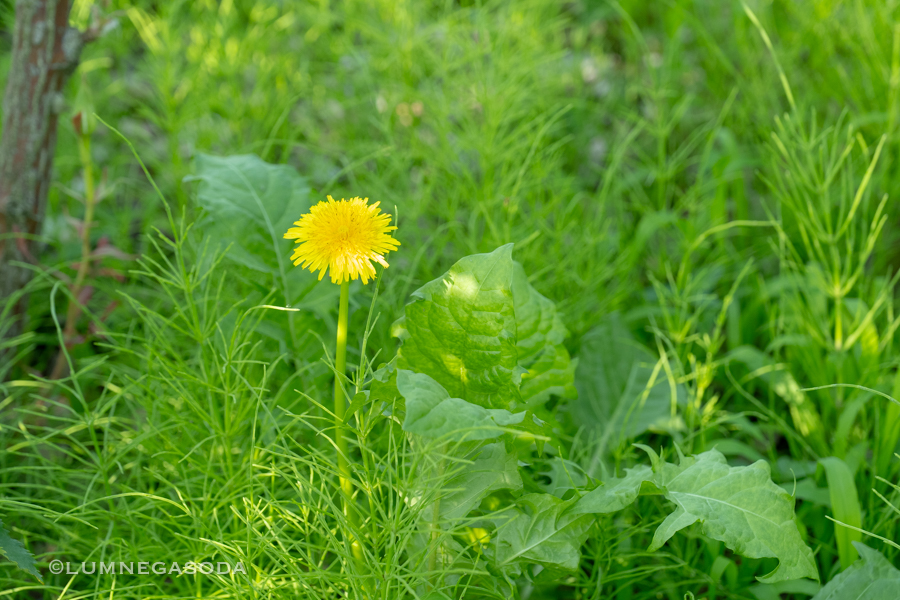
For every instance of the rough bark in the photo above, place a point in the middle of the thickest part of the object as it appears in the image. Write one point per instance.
(45, 51)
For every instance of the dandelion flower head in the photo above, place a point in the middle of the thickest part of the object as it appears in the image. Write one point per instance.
(343, 238)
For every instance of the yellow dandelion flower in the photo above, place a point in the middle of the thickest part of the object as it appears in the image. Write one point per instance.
(343, 237)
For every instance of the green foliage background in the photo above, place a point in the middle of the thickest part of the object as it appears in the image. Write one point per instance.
(706, 213)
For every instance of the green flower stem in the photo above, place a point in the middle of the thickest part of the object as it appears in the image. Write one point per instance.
(340, 405)
(340, 408)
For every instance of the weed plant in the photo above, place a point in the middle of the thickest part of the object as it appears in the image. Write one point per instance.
(683, 210)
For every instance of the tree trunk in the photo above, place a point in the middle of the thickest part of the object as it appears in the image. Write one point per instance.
(45, 51)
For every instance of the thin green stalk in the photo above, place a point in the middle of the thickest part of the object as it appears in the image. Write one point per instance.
(340, 408)
(340, 405)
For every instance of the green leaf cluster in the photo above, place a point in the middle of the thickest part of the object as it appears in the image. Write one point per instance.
(482, 350)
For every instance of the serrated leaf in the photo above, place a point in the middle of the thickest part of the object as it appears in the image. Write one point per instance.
(461, 330)
(616, 388)
(539, 531)
(491, 468)
(431, 412)
(539, 431)
(359, 400)
(615, 494)
(539, 342)
(739, 506)
(872, 577)
(563, 475)
(252, 203)
(383, 387)
(16, 552)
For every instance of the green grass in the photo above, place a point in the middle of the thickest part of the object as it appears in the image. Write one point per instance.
(651, 166)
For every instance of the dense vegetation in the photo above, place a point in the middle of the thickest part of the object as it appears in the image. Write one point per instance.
(673, 379)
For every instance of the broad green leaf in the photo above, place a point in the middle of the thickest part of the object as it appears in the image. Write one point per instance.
(491, 468)
(383, 387)
(431, 412)
(845, 505)
(16, 552)
(564, 475)
(739, 506)
(614, 495)
(872, 577)
(540, 334)
(617, 391)
(774, 591)
(539, 531)
(359, 400)
(461, 330)
(607, 355)
(252, 203)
